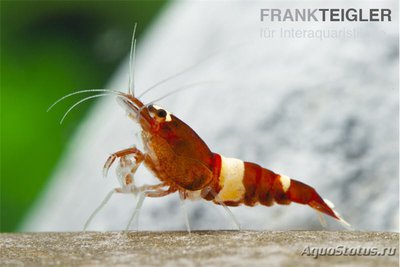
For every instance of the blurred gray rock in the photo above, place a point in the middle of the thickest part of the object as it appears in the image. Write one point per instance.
(324, 112)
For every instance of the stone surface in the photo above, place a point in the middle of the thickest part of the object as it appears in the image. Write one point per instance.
(202, 248)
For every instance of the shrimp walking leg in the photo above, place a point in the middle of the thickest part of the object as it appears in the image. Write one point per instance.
(141, 197)
(221, 202)
(184, 212)
(136, 212)
(94, 213)
(134, 190)
(156, 191)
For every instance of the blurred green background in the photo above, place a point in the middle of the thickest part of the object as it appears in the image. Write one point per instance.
(48, 49)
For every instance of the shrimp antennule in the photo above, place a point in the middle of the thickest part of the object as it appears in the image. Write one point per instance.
(132, 56)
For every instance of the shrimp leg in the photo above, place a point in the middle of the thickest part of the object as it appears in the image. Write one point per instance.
(156, 191)
(130, 159)
(184, 211)
(219, 201)
(141, 190)
(136, 153)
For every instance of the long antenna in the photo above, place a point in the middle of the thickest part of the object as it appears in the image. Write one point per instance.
(181, 89)
(171, 77)
(132, 55)
(217, 52)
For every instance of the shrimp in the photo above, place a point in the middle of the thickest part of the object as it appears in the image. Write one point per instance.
(175, 154)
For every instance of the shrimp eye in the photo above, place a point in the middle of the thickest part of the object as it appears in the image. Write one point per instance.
(161, 113)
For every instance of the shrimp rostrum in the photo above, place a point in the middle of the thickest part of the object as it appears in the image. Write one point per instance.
(183, 163)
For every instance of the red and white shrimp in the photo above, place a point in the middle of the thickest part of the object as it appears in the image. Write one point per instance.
(184, 163)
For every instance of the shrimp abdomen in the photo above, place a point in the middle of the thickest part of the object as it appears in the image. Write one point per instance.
(250, 184)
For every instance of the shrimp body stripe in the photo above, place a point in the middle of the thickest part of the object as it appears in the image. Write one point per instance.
(285, 181)
(231, 180)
